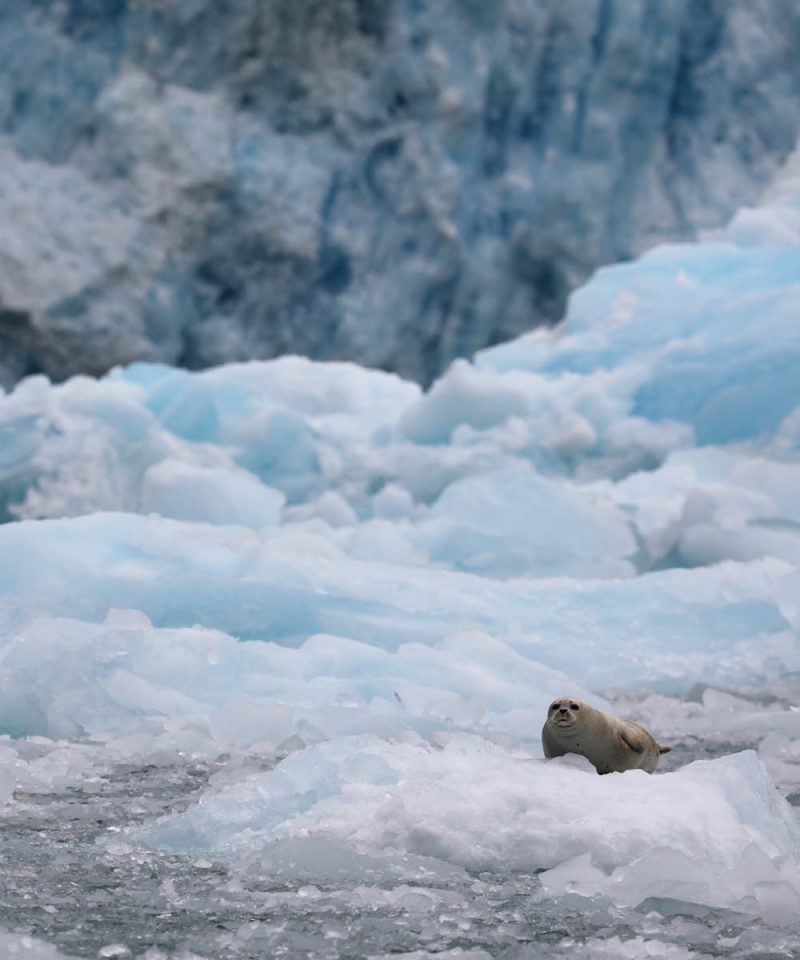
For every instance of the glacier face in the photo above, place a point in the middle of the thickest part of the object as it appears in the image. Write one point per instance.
(394, 183)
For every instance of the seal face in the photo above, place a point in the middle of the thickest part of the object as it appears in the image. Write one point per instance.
(609, 743)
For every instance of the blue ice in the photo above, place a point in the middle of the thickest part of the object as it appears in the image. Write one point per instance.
(380, 589)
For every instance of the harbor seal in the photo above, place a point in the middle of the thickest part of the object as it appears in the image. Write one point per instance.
(609, 743)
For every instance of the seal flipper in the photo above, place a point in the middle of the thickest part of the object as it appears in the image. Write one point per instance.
(634, 740)
(663, 747)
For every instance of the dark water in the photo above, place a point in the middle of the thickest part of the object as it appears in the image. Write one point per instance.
(61, 883)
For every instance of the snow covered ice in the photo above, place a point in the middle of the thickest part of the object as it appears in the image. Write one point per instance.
(291, 629)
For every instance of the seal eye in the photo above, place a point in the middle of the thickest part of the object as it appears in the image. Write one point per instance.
(553, 706)
(575, 706)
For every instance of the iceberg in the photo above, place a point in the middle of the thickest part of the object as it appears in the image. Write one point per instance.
(202, 691)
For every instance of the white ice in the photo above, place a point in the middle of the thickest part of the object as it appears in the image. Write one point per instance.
(715, 832)
(379, 589)
(16, 947)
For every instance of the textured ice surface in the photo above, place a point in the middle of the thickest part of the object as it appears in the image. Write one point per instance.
(279, 637)
(637, 948)
(667, 629)
(716, 832)
(613, 434)
(393, 183)
(14, 947)
(199, 690)
(176, 489)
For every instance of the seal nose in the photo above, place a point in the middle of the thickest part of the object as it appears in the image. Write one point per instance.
(563, 711)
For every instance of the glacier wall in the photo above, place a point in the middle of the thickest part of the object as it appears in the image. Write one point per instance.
(397, 183)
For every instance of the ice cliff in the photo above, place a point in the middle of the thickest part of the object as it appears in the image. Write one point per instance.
(396, 183)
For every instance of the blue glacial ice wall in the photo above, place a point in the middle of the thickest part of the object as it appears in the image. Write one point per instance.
(396, 183)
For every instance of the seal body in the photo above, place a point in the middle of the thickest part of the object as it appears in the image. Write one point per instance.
(609, 743)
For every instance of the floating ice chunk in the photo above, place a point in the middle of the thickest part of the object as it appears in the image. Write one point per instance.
(614, 948)
(10, 766)
(321, 860)
(16, 947)
(40, 765)
(83, 446)
(710, 343)
(710, 833)
(392, 502)
(280, 447)
(263, 724)
(584, 402)
(114, 951)
(719, 701)
(386, 542)
(217, 405)
(179, 490)
(720, 720)
(705, 505)
(517, 522)
(463, 396)
(48, 765)
(126, 620)
(778, 901)
(780, 752)
(761, 870)
(456, 953)
(333, 508)
(298, 426)
(775, 479)
(575, 762)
